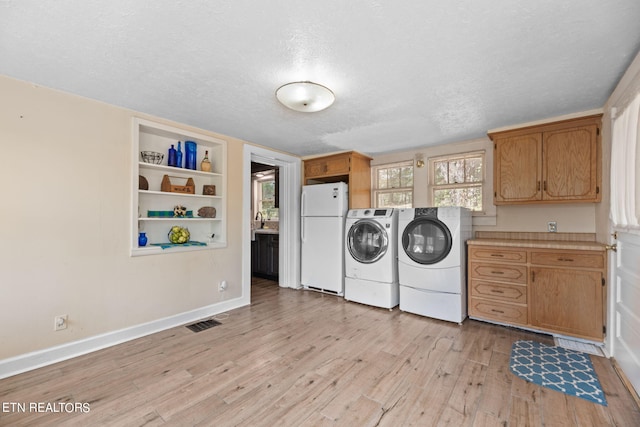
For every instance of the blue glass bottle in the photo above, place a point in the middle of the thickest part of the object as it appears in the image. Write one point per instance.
(172, 161)
(191, 148)
(142, 239)
(179, 155)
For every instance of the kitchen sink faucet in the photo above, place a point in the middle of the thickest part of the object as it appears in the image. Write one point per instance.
(259, 214)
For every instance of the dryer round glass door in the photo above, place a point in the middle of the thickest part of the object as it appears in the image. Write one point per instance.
(367, 241)
(426, 240)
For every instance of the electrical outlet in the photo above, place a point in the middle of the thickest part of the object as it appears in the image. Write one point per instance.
(222, 286)
(552, 226)
(60, 322)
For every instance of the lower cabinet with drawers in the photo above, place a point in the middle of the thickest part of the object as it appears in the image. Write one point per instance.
(558, 289)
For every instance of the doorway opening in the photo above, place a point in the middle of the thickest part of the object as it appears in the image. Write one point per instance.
(288, 191)
(265, 233)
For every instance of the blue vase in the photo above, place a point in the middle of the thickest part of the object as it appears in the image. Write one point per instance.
(191, 149)
(142, 239)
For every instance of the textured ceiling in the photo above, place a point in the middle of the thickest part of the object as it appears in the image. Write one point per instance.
(405, 74)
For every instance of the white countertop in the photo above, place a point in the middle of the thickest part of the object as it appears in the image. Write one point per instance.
(266, 231)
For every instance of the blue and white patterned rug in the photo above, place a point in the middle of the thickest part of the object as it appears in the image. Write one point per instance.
(557, 368)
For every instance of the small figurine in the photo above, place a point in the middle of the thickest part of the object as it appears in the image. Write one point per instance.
(179, 211)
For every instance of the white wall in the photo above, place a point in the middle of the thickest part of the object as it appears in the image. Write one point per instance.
(66, 194)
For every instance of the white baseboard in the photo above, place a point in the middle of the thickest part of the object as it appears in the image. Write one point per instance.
(37, 359)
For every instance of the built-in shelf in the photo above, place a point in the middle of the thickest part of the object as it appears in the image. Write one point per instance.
(164, 193)
(179, 219)
(171, 169)
(150, 136)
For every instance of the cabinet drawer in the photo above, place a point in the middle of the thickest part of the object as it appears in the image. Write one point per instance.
(499, 312)
(568, 259)
(499, 291)
(500, 272)
(493, 254)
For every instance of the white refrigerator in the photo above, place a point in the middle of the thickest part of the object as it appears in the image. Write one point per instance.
(324, 208)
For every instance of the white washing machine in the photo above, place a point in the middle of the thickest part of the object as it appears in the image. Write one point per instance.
(371, 272)
(432, 261)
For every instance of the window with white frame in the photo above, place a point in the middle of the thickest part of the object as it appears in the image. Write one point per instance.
(457, 180)
(265, 191)
(393, 185)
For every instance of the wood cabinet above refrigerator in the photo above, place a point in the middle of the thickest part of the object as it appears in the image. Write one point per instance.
(350, 167)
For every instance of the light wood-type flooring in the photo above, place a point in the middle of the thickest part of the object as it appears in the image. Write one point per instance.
(301, 358)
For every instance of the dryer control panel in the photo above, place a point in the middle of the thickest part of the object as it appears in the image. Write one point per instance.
(428, 212)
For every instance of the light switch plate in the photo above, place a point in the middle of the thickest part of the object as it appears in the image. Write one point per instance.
(552, 226)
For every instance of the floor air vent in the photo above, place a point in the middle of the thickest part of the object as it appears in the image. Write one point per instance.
(201, 326)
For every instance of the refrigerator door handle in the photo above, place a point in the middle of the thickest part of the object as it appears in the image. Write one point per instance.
(302, 230)
(302, 200)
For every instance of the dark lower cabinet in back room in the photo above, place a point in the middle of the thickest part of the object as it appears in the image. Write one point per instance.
(264, 256)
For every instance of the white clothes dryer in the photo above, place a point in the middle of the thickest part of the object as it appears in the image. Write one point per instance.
(371, 273)
(432, 261)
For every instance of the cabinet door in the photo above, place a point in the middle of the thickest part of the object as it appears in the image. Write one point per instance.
(314, 168)
(570, 164)
(327, 166)
(518, 168)
(274, 248)
(567, 301)
(338, 165)
(254, 256)
(263, 253)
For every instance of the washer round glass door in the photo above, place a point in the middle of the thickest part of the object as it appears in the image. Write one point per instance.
(426, 240)
(367, 241)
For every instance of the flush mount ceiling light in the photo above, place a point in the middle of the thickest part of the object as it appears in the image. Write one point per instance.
(307, 97)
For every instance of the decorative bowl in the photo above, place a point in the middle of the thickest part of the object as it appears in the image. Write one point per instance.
(152, 157)
(179, 235)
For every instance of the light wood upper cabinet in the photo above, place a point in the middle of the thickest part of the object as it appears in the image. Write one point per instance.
(350, 167)
(517, 175)
(569, 167)
(327, 166)
(552, 163)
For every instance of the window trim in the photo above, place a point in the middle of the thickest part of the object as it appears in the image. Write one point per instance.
(257, 199)
(487, 202)
(375, 191)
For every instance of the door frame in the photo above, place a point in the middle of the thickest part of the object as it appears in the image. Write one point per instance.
(289, 223)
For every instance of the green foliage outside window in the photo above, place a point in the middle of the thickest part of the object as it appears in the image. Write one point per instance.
(394, 186)
(266, 204)
(458, 181)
